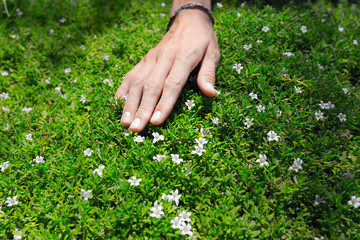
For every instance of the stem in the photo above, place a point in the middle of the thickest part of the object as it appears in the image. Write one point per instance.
(6, 10)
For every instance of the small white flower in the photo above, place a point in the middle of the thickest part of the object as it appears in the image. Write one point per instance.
(162, 14)
(247, 47)
(47, 81)
(83, 99)
(355, 42)
(303, 29)
(4, 73)
(18, 234)
(345, 90)
(204, 133)
(187, 171)
(201, 141)
(265, 29)
(259, 41)
(262, 160)
(4, 109)
(297, 89)
(327, 105)
(1, 212)
(157, 210)
(323, 20)
(134, 181)
(4, 166)
(175, 196)
(106, 57)
(164, 196)
(186, 230)
(126, 132)
(296, 165)
(260, 108)
(86, 194)
(318, 200)
(157, 137)
(215, 120)
(238, 14)
(185, 216)
(272, 136)
(109, 82)
(51, 31)
(62, 20)
(238, 67)
(248, 122)
(253, 95)
(37, 160)
(82, 47)
(342, 117)
(349, 174)
(99, 170)
(27, 110)
(158, 157)
(288, 54)
(28, 137)
(198, 150)
(11, 201)
(139, 138)
(163, 4)
(177, 223)
(341, 29)
(320, 67)
(4, 96)
(176, 159)
(354, 201)
(67, 70)
(190, 104)
(58, 90)
(219, 5)
(319, 238)
(319, 115)
(217, 92)
(278, 113)
(6, 127)
(88, 152)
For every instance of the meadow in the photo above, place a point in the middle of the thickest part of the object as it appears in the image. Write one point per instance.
(281, 140)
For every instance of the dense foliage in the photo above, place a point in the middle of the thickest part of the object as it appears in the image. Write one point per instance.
(65, 60)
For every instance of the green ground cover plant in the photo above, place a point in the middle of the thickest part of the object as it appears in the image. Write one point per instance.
(281, 140)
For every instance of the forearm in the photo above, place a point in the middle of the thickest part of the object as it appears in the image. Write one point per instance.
(177, 3)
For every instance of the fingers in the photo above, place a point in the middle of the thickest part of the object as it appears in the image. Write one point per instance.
(125, 84)
(172, 89)
(135, 91)
(151, 93)
(206, 75)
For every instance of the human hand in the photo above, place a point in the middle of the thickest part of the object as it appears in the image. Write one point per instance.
(155, 83)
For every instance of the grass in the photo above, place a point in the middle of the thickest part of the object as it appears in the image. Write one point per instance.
(228, 194)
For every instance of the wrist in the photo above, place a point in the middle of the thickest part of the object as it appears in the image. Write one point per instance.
(177, 3)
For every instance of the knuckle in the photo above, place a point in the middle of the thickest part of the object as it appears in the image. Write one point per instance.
(130, 103)
(152, 85)
(172, 82)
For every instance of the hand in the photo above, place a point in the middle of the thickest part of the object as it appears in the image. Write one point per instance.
(155, 83)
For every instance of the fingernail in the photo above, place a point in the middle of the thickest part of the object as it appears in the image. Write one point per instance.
(135, 123)
(126, 117)
(210, 87)
(156, 116)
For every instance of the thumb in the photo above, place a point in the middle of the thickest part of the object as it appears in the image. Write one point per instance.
(206, 75)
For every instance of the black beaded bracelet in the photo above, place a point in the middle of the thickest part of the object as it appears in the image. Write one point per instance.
(191, 5)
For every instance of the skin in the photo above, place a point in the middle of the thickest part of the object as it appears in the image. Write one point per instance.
(155, 83)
